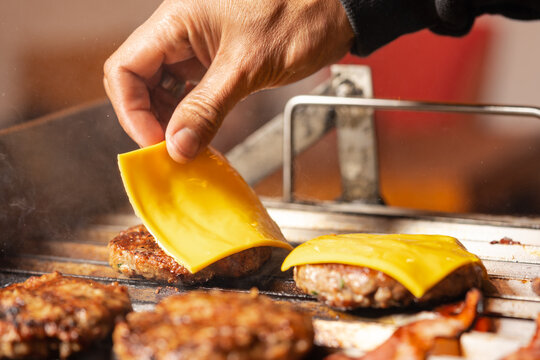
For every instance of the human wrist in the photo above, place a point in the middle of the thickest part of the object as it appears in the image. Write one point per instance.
(344, 19)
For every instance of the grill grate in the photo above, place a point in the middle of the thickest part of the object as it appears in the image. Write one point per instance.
(510, 302)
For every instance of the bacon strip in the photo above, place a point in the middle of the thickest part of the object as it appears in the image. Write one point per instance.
(531, 351)
(536, 286)
(414, 341)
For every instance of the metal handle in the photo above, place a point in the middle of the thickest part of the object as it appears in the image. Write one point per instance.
(381, 104)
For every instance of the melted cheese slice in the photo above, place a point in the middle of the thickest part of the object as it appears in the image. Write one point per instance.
(198, 212)
(418, 262)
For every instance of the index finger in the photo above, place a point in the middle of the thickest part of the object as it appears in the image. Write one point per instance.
(127, 76)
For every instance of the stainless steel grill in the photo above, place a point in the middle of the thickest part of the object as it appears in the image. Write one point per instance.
(95, 210)
(510, 301)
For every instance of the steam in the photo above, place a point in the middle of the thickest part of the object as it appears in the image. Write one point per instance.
(16, 204)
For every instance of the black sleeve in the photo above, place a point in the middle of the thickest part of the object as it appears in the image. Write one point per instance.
(378, 22)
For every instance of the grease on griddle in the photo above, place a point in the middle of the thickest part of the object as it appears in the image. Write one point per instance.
(505, 241)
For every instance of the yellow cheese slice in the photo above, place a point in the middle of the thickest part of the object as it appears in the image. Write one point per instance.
(198, 212)
(418, 262)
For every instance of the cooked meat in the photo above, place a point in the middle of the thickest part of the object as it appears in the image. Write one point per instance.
(348, 287)
(536, 286)
(54, 315)
(414, 341)
(215, 325)
(531, 351)
(135, 252)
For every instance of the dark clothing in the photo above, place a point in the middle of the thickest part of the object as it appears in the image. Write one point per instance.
(378, 22)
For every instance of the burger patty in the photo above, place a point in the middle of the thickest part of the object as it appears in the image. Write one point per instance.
(215, 325)
(348, 287)
(136, 252)
(54, 315)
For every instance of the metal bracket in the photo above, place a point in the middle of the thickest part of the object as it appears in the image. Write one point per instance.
(357, 143)
(260, 154)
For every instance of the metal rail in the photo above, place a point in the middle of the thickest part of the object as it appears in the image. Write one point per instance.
(378, 104)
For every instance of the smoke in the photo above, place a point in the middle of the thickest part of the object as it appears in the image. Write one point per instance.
(16, 205)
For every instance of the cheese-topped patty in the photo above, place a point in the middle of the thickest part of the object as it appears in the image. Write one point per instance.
(199, 212)
(134, 252)
(366, 270)
(348, 287)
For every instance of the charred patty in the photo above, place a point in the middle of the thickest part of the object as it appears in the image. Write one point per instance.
(135, 252)
(348, 287)
(215, 325)
(54, 315)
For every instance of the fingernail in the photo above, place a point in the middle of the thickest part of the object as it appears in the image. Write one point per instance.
(186, 142)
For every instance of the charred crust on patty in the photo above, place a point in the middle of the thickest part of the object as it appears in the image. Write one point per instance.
(56, 316)
(135, 252)
(348, 287)
(215, 325)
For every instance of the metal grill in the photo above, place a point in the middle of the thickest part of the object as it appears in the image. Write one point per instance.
(95, 210)
(510, 302)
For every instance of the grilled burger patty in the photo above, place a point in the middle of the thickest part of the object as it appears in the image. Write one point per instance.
(348, 287)
(215, 325)
(54, 315)
(135, 252)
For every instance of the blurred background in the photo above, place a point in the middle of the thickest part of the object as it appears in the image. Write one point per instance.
(52, 54)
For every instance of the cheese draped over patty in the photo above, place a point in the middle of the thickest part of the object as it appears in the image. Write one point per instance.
(418, 262)
(199, 212)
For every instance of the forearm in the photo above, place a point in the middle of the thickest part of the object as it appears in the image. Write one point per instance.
(378, 22)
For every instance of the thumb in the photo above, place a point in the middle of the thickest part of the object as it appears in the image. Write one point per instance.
(199, 115)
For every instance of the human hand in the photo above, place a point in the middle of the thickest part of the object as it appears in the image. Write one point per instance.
(223, 51)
